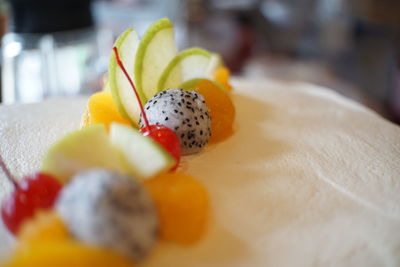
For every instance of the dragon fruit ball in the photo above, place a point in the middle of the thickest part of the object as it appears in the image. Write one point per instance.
(184, 112)
(110, 210)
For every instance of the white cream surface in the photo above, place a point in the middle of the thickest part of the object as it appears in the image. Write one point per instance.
(309, 178)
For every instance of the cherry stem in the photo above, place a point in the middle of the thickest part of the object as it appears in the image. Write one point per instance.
(121, 65)
(9, 176)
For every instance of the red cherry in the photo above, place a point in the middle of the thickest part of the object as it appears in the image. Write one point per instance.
(166, 138)
(33, 193)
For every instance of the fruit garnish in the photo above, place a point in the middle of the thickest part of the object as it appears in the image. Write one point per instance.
(219, 104)
(33, 193)
(80, 150)
(102, 110)
(145, 156)
(110, 210)
(156, 49)
(222, 75)
(189, 64)
(160, 136)
(166, 138)
(120, 88)
(46, 226)
(182, 204)
(66, 254)
(186, 113)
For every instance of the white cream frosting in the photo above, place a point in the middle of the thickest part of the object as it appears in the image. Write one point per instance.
(308, 179)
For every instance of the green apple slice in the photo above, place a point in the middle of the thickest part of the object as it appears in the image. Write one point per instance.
(145, 156)
(156, 49)
(188, 64)
(122, 92)
(80, 150)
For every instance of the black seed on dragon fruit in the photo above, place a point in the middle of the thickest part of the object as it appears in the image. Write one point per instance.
(109, 210)
(184, 112)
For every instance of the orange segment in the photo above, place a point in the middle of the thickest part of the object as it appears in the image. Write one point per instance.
(46, 226)
(102, 110)
(66, 254)
(182, 204)
(221, 110)
(45, 241)
(222, 76)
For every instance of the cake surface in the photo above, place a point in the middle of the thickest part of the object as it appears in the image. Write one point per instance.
(309, 178)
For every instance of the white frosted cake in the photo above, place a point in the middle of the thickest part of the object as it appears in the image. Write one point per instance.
(309, 178)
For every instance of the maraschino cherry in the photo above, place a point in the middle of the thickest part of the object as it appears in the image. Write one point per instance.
(34, 192)
(166, 138)
(161, 134)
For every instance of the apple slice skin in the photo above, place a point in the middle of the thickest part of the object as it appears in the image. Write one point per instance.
(112, 68)
(80, 150)
(147, 87)
(172, 77)
(121, 90)
(143, 155)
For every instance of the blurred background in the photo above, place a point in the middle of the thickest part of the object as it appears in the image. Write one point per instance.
(352, 46)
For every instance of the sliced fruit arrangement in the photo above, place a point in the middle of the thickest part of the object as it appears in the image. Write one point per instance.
(145, 60)
(108, 192)
(154, 66)
(164, 136)
(124, 151)
(119, 215)
(181, 69)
